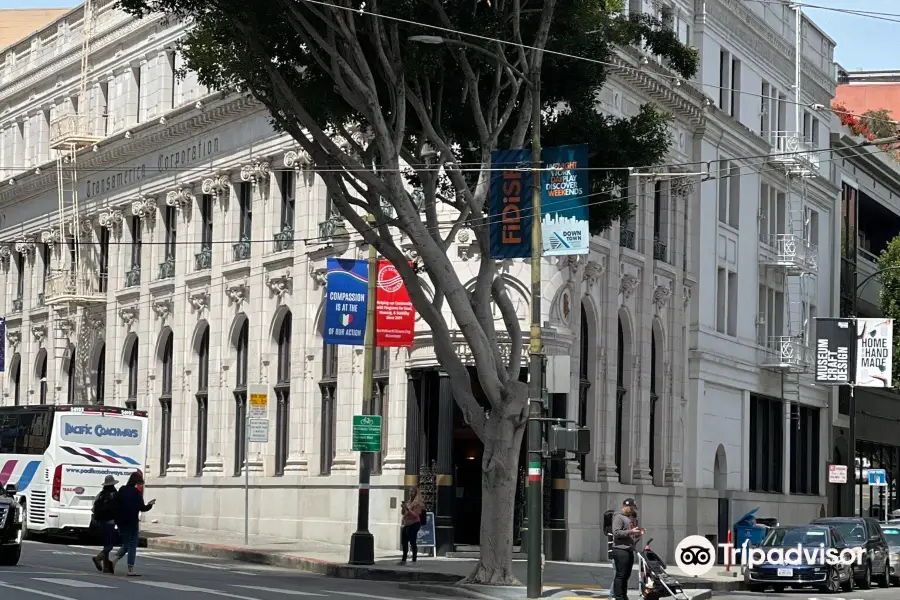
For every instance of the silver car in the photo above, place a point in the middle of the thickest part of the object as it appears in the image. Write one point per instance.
(891, 531)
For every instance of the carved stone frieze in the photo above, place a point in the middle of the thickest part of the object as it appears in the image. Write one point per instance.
(25, 245)
(681, 186)
(182, 198)
(50, 237)
(593, 271)
(686, 297)
(256, 172)
(128, 314)
(279, 284)
(163, 308)
(319, 277)
(14, 337)
(145, 208)
(628, 285)
(215, 185)
(295, 159)
(39, 332)
(4, 253)
(111, 219)
(84, 226)
(66, 327)
(237, 293)
(199, 300)
(661, 296)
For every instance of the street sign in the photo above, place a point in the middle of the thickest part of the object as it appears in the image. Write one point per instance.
(366, 433)
(259, 431)
(837, 473)
(259, 402)
(878, 477)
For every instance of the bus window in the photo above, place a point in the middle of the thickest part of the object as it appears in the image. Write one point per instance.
(25, 432)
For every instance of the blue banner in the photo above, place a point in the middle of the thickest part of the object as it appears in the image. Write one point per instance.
(345, 302)
(564, 201)
(2, 344)
(511, 208)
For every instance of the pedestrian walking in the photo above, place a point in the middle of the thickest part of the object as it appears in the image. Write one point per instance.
(104, 522)
(129, 506)
(625, 533)
(413, 516)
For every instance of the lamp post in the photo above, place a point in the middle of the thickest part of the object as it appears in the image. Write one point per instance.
(535, 494)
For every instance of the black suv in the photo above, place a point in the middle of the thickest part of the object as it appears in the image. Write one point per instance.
(865, 533)
(11, 516)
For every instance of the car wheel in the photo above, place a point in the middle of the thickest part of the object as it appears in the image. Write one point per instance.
(865, 582)
(833, 583)
(885, 579)
(10, 555)
(848, 585)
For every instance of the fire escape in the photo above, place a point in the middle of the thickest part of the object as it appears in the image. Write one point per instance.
(75, 287)
(790, 256)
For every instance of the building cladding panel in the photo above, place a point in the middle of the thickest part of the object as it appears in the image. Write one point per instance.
(204, 171)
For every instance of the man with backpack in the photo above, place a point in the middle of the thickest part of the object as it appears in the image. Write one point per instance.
(625, 534)
(104, 522)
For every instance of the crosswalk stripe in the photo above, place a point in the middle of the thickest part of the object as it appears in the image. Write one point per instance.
(3, 584)
(187, 588)
(75, 583)
(278, 591)
(194, 564)
(361, 595)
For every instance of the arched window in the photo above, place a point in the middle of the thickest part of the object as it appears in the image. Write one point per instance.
(15, 378)
(70, 375)
(283, 395)
(240, 397)
(100, 394)
(202, 397)
(584, 383)
(165, 404)
(42, 376)
(328, 387)
(131, 402)
(654, 400)
(621, 390)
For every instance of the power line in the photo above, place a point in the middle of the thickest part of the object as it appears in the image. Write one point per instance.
(673, 78)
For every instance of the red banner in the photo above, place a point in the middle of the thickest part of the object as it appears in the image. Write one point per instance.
(395, 317)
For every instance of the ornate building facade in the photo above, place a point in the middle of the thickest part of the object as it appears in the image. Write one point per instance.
(209, 236)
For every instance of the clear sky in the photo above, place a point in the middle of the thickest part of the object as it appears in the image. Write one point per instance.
(869, 43)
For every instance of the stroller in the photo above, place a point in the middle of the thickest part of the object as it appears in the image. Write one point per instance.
(655, 583)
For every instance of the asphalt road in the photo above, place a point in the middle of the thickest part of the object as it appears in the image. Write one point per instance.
(61, 572)
(874, 594)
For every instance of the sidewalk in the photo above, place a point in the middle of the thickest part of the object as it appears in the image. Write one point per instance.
(331, 560)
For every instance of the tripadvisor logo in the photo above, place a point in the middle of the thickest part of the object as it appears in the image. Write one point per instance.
(696, 556)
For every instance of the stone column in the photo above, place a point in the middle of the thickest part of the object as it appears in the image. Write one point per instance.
(411, 473)
(446, 490)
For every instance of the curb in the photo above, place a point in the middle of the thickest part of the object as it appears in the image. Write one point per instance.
(454, 591)
(309, 565)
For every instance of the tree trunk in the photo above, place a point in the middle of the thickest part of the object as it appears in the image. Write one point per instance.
(500, 465)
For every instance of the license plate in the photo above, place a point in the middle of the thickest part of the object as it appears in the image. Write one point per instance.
(785, 572)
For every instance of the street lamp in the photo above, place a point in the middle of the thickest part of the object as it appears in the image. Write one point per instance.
(535, 494)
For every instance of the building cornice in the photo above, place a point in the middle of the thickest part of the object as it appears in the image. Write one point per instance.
(181, 122)
(735, 22)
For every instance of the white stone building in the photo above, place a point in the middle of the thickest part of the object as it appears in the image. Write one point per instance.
(191, 314)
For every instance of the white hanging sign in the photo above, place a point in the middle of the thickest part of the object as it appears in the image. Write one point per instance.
(874, 345)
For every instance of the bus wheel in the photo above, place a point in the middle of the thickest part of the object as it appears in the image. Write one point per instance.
(9, 555)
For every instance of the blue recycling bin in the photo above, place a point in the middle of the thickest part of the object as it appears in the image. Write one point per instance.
(746, 529)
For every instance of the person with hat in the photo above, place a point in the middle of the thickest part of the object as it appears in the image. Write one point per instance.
(104, 517)
(625, 533)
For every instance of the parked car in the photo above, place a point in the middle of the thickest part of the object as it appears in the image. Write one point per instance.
(11, 518)
(813, 571)
(891, 533)
(865, 533)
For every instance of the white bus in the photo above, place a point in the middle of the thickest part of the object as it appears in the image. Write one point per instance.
(58, 457)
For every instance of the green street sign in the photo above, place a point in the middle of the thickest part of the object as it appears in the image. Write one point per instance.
(366, 433)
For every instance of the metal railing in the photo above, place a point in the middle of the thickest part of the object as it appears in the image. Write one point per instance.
(41, 299)
(660, 251)
(626, 237)
(242, 249)
(203, 259)
(786, 352)
(793, 147)
(284, 239)
(133, 276)
(332, 227)
(78, 286)
(72, 129)
(17, 304)
(791, 251)
(167, 268)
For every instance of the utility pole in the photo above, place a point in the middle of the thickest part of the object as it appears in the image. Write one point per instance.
(536, 365)
(362, 542)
